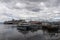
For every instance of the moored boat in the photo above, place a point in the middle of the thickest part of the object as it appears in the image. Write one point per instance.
(23, 26)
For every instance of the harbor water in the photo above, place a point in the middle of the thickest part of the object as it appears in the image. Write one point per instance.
(10, 32)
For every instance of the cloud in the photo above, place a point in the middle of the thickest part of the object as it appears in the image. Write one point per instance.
(29, 9)
(36, 0)
(33, 8)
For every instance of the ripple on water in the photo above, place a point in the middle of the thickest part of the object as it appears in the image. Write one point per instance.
(8, 32)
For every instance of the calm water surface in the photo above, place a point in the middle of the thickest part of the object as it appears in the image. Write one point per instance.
(10, 32)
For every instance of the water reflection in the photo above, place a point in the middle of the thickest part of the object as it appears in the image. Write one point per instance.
(47, 36)
(10, 32)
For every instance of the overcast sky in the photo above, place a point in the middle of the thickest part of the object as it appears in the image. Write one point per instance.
(29, 9)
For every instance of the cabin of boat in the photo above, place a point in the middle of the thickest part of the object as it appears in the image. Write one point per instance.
(28, 26)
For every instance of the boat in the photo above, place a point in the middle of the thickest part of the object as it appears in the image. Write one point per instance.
(24, 26)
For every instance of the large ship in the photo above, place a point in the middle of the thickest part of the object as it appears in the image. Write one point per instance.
(23, 26)
(28, 26)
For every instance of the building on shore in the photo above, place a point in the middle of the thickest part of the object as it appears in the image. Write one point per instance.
(13, 21)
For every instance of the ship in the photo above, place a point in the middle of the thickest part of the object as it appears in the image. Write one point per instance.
(28, 26)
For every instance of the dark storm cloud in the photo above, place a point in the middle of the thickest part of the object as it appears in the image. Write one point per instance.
(57, 3)
(34, 8)
(29, 6)
(36, 0)
(7, 1)
(45, 9)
